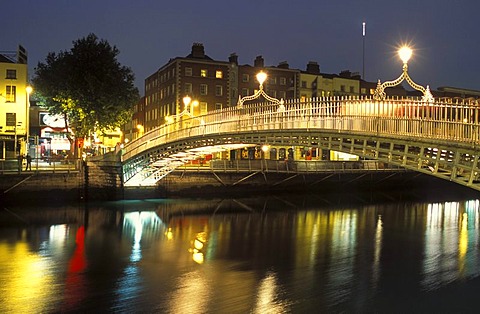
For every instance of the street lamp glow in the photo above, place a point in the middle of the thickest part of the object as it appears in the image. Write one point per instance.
(29, 89)
(261, 77)
(186, 101)
(405, 54)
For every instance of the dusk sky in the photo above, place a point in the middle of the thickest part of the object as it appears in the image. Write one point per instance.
(445, 34)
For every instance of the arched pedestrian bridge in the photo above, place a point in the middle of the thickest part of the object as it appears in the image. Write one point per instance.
(437, 137)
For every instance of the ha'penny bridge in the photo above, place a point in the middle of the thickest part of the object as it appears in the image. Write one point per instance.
(438, 137)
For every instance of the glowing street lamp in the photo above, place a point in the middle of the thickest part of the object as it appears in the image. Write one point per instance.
(188, 105)
(261, 78)
(28, 91)
(141, 130)
(405, 53)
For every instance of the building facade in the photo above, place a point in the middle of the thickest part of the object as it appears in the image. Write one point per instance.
(14, 103)
(198, 76)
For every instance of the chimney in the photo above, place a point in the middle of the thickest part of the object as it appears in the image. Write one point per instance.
(346, 74)
(283, 65)
(233, 58)
(313, 67)
(259, 62)
(198, 51)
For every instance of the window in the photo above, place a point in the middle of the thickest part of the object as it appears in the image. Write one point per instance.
(219, 74)
(244, 92)
(11, 93)
(203, 73)
(11, 74)
(188, 88)
(203, 89)
(245, 78)
(283, 94)
(219, 90)
(273, 80)
(304, 84)
(203, 107)
(363, 90)
(218, 106)
(283, 81)
(342, 88)
(352, 89)
(188, 71)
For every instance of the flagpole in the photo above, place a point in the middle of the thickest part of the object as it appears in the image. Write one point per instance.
(364, 24)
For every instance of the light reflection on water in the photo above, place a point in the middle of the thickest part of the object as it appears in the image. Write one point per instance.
(227, 259)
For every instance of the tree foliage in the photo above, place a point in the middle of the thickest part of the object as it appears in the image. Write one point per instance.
(87, 85)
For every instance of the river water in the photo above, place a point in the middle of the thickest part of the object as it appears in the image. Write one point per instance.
(276, 254)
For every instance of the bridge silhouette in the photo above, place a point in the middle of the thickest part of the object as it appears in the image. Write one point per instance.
(438, 137)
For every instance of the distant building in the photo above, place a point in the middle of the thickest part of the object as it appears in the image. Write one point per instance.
(196, 75)
(14, 109)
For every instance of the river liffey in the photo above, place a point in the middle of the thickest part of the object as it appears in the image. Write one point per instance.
(282, 254)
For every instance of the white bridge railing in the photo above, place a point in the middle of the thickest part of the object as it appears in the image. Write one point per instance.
(446, 120)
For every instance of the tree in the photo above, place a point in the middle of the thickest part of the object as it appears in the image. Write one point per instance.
(87, 86)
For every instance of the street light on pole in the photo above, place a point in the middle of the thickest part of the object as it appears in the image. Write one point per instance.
(28, 91)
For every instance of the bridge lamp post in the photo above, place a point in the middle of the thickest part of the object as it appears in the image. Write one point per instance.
(261, 78)
(405, 53)
(140, 129)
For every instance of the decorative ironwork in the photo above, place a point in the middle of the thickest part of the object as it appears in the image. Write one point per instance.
(261, 77)
(405, 54)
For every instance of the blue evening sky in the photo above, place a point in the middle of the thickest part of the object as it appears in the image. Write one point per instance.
(445, 34)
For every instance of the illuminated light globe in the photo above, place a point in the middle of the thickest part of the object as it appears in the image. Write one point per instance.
(261, 77)
(405, 53)
(186, 100)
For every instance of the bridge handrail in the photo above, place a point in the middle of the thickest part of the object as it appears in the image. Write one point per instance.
(454, 120)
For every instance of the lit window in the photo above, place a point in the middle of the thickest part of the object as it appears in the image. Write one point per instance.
(11, 74)
(219, 90)
(188, 71)
(203, 73)
(219, 74)
(11, 93)
(203, 107)
(203, 89)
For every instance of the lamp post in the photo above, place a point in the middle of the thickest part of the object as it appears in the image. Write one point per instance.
(140, 129)
(405, 53)
(261, 78)
(188, 106)
(28, 91)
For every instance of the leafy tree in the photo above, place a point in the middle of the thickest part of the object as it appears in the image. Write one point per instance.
(87, 86)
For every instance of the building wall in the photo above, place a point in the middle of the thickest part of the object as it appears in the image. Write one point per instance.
(13, 129)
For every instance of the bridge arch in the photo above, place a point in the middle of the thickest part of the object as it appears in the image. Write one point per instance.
(438, 138)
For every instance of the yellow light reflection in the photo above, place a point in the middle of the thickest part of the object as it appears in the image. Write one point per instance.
(198, 245)
(169, 234)
(191, 294)
(26, 284)
(267, 296)
(463, 242)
